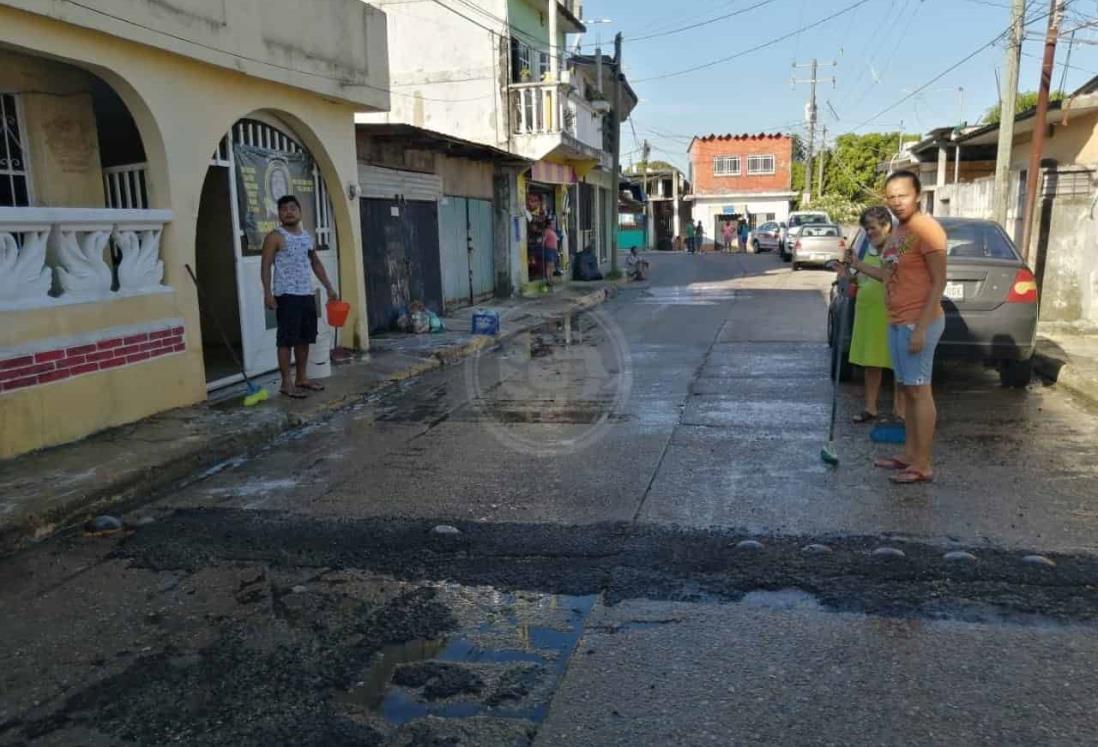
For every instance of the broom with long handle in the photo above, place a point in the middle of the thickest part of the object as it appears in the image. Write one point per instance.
(256, 393)
(828, 453)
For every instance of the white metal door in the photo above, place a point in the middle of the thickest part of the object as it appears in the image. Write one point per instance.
(257, 322)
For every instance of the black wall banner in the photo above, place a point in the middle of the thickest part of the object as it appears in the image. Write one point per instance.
(262, 177)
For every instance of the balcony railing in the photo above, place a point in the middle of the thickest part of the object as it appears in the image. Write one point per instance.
(78, 255)
(553, 108)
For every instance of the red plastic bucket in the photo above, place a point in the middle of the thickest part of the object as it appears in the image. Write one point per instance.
(337, 312)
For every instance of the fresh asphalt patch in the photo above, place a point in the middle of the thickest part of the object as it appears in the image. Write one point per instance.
(871, 575)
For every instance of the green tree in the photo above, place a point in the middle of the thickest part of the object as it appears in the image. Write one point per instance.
(851, 165)
(1026, 100)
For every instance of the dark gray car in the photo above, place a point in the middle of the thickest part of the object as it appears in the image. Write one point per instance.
(990, 302)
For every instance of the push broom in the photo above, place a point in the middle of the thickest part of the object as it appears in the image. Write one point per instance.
(828, 453)
(256, 393)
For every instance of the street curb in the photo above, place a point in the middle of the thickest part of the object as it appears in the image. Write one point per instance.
(131, 490)
(1064, 375)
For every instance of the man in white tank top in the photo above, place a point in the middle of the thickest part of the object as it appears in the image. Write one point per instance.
(290, 252)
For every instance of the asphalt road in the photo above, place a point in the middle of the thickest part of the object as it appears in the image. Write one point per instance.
(614, 530)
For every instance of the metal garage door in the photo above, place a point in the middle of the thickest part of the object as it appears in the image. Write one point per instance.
(400, 251)
(467, 251)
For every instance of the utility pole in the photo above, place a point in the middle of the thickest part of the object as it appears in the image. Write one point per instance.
(615, 198)
(820, 161)
(1007, 101)
(649, 212)
(810, 116)
(1040, 123)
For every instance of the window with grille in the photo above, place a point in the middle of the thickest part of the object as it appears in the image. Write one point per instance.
(726, 166)
(14, 169)
(760, 164)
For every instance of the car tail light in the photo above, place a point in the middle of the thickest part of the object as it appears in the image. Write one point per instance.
(842, 243)
(797, 245)
(1024, 288)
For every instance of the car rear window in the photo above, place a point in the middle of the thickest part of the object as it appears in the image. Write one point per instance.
(820, 231)
(801, 220)
(977, 241)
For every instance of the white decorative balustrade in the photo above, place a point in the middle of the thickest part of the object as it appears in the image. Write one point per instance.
(537, 107)
(125, 187)
(67, 255)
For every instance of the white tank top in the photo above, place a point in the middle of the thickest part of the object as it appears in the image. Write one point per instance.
(293, 274)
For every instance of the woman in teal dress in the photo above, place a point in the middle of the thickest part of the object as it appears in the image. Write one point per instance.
(869, 345)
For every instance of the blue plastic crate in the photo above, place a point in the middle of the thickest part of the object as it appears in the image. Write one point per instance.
(485, 322)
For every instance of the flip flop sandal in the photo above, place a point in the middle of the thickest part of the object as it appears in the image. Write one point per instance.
(312, 386)
(865, 416)
(292, 394)
(892, 463)
(911, 476)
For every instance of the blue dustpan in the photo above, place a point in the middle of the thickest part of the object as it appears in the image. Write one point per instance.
(888, 433)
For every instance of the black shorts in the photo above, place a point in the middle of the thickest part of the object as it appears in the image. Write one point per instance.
(296, 317)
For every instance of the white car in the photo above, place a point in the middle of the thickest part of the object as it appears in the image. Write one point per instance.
(797, 220)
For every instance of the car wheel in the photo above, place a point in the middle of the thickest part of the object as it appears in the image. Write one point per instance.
(1016, 374)
(796, 266)
(845, 370)
(755, 245)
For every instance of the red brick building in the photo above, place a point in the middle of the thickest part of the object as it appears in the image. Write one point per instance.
(738, 175)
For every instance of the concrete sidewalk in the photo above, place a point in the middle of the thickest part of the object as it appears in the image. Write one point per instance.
(1068, 357)
(120, 468)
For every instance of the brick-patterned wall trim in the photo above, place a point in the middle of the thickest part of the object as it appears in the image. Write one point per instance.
(58, 359)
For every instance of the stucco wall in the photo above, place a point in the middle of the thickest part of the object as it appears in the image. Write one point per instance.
(340, 52)
(1069, 291)
(445, 72)
(182, 109)
(60, 130)
(1073, 143)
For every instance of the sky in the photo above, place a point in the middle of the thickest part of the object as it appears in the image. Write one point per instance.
(882, 50)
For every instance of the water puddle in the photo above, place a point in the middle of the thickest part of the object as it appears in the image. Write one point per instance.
(783, 599)
(506, 668)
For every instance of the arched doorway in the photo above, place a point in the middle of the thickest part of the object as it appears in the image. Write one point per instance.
(254, 164)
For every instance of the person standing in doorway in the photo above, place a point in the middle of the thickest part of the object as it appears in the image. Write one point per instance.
(745, 229)
(690, 237)
(699, 237)
(550, 249)
(290, 252)
(727, 233)
(914, 282)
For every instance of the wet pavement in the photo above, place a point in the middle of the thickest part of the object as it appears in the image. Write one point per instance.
(614, 529)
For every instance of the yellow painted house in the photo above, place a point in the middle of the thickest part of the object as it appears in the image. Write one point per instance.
(141, 137)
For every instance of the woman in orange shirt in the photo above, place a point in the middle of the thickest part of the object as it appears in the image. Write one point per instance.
(915, 278)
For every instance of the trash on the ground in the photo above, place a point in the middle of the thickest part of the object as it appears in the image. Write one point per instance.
(103, 525)
(446, 529)
(485, 322)
(436, 324)
(421, 322)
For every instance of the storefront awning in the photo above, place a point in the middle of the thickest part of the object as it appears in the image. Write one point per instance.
(547, 172)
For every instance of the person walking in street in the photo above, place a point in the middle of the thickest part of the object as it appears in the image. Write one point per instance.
(745, 229)
(726, 236)
(690, 237)
(915, 278)
(290, 252)
(869, 343)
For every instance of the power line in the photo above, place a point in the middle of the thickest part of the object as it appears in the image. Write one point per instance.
(757, 47)
(946, 72)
